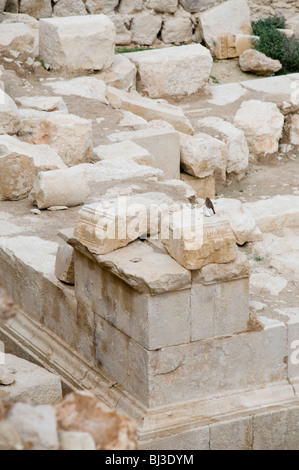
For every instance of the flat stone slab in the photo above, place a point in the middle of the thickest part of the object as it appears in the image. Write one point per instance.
(226, 94)
(275, 213)
(31, 382)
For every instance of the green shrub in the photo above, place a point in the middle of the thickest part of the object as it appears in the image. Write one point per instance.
(275, 44)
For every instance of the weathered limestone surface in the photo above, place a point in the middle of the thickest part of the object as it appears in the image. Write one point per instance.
(149, 109)
(202, 155)
(233, 45)
(258, 63)
(275, 213)
(87, 87)
(127, 150)
(9, 114)
(60, 188)
(169, 71)
(145, 28)
(64, 267)
(231, 17)
(177, 30)
(16, 176)
(18, 40)
(204, 187)
(31, 382)
(8, 308)
(294, 130)
(163, 6)
(122, 73)
(36, 8)
(69, 8)
(43, 103)
(262, 124)
(71, 440)
(237, 151)
(201, 242)
(93, 35)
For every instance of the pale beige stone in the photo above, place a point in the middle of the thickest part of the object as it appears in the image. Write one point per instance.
(71, 440)
(176, 30)
(194, 6)
(122, 73)
(60, 188)
(6, 378)
(276, 430)
(8, 308)
(36, 426)
(149, 109)
(294, 129)
(69, 8)
(204, 187)
(127, 150)
(238, 152)
(265, 280)
(9, 438)
(95, 41)
(275, 213)
(199, 242)
(231, 17)
(222, 95)
(233, 45)
(20, 38)
(86, 87)
(101, 6)
(123, 34)
(31, 382)
(166, 71)
(36, 8)
(234, 434)
(214, 273)
(162, 144)
(43, 103)
(132, 120)
(202, 155)
(9, 114)
(16, 176)
(145, 28)
(130, 6)
(262, 124)
(258, 63)
(163, 6)
(64, 267)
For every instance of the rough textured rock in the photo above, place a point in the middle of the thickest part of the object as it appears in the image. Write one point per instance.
(194, 6)
(43, 103)
(202, 155)
(36, 426)
(122, 74)
(132, 120)
(87, 87)
(9, 114)
(16, 176)
(36, 8)
(294, 130)
(69, 8)
(145, 28)
(127, 150)
(213, 273)
(9, 438)
(69, 440)
(163, 6)
(262, 124)
(233, 45)
(95, 42)
(177, 30)
(130, 6)
(231, 17)
(238, 152)
(18, 40)
(83, 412)
(101, 6)
(275, 213)
(8, 308)
(60, 188)
(258, 63)
(64, 266)
(201, 242)
(123, 34)
(68, 134)
(149, 109)
(203, 187)
(173, 71)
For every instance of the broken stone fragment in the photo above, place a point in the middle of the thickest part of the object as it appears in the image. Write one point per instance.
(8, 308)
(6, 378)
(258, 63)
(43, 103)
(70, 440)
(9, 114)
(9, 438)
(166, 71)
(122, 73)
(19, 41)
(16, 176)
(86, 87)
(64, 267)
(145, 27)
(94, 50)
(126, 150)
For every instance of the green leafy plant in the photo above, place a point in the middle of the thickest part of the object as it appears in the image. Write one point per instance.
(214, 79)
(275, 44)
(125, 50)
(258, 258)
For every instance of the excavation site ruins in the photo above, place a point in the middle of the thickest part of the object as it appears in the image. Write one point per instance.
(149, 225)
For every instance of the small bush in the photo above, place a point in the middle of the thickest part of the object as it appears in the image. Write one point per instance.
(275, 44)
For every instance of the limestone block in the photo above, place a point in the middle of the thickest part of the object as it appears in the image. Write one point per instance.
(231, 17)
(222, 95)
(262, 124)
(43, 156)
(162, 144)
(2, 5)
(202, 155)
(109, 429)
(294, 130)
(263, 279)
(234, 434)
(69, 8)
(122, 74)
(101, 6)
(86, 87)
(93, 37)
(238, 152)
(149, 109)
(9, 438)
(219, 309)
(123, 35)
(238, 362)
(16, 176)
(126, 150)
(258, 63)
(275, 213)
(69, 440)
(204, 187)
(276, 430)
(36, 8)
(66, 187)
(18, 40)
(36, 426)
(154, 320)
(242, 223)
(195, 242)
(145, 28)
(167, 71)
(196, 439)
(214, 273)
(132, 120)
(176, 30)
(43, 103)
(9, 114)
(31, 382)
(8, 308)
(194, 6)
(68, 134)
(64, 267)
(130, 6)
(233, 45)
(163, 6)
(19, 18)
